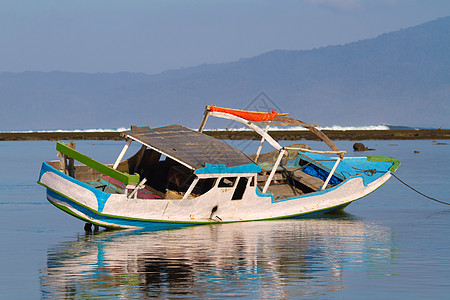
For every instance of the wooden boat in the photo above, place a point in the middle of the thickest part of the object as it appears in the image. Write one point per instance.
(182, 177)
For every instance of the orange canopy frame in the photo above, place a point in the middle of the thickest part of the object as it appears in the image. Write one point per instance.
(247, 115)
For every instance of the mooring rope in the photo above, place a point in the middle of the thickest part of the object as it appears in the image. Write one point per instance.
(431, 198)
(370, 172)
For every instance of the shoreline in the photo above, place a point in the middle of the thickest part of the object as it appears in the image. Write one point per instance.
(350, 135)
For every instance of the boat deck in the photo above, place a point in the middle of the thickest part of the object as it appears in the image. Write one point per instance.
(283, 191)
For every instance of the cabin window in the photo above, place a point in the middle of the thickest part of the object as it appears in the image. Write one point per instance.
(252, 181)
(203, 186)
(179, 178)
(227, 182)
(240, 189)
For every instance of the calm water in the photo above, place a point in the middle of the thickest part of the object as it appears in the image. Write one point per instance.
(392, 244)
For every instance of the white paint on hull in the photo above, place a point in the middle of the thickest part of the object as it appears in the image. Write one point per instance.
(200, 209)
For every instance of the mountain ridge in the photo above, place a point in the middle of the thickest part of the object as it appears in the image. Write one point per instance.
(401, 77)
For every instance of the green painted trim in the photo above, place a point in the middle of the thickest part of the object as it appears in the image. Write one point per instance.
(396, 163)
(70, 212)
(122, 177)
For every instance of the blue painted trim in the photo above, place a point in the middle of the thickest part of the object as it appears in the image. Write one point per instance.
(260, 194)
(317, 193)
(357, 165)
(220, 168)
(114, 221)
(102, 197)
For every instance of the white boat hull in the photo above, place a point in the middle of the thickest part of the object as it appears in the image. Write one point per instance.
(215, 206)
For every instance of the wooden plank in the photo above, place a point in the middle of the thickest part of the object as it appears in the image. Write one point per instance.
(139, 157)
(327, 140)
(71, 167)
(315, 151)
(277, 177)
(205, 117)
(104, 169)
(292, 121)
(283, 191)
(62, 163)
(312, 182)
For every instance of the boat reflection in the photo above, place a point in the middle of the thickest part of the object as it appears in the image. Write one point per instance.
(264, 259)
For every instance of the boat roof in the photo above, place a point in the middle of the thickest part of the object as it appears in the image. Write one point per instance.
(191, 148)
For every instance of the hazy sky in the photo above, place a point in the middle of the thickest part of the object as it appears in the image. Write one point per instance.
(155, 35)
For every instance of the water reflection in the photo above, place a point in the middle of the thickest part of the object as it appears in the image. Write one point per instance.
(258, 259)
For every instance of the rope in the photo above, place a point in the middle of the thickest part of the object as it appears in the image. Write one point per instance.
(370, 172)
(431, 198)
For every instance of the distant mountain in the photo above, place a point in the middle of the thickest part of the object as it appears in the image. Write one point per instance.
(401, 77)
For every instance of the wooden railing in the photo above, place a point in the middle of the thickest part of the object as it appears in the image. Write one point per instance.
(126, 178)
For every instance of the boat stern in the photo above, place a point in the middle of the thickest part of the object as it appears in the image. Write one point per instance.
(65, 190)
